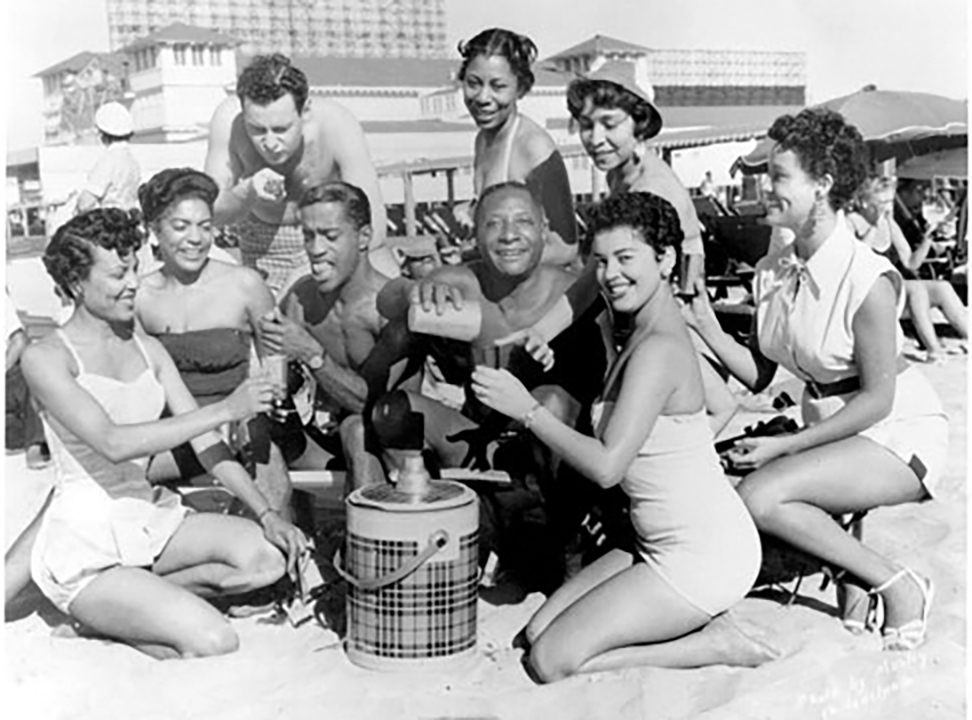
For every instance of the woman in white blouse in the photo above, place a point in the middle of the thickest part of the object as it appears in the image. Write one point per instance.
(827, 310)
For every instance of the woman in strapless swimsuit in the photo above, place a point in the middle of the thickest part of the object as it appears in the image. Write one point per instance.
(122, 557)
(206, 313)
(696, 551)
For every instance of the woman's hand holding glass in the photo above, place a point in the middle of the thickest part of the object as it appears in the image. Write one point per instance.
(534, 343)
(501, 391)
(254, 395)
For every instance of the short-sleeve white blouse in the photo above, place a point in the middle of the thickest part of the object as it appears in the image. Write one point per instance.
(805, 308)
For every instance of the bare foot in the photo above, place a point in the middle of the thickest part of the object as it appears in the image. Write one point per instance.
(740, 642)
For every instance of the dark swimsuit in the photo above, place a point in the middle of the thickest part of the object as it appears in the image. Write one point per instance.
(213, 363)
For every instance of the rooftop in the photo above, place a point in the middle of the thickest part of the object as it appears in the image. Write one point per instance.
(112, 62)
(178, 33)
(597, 45)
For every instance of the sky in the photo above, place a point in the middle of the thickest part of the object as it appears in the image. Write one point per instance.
(894, 44)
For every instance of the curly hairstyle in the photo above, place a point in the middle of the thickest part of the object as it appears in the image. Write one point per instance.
(269, 78)
(607, 95)
(352, 198)
(171, 185)
(652, 217)
(70, 253)
(826, 144)
(518, 50)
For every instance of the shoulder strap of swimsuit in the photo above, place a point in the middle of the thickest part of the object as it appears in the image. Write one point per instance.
(70, 348)
(141, 348)
(508, 151)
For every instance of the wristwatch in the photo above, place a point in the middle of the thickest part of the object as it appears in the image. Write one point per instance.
(316, 362)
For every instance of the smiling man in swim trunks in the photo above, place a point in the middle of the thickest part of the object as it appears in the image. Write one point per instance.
(269, 145)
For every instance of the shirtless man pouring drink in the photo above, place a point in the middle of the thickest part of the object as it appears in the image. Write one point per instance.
(266, 148)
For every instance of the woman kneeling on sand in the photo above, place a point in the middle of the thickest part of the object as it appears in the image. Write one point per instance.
(827, 310)
(697, 552)
(123, 558)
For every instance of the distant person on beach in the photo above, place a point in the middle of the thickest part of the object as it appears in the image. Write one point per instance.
(872, 221)
(206, 313)
(495, 74)
(125, 559)
(875, 434)
(328, 320)
(114, 179)
(911, 198)
(707, 188)
(269, 145)
(696, 551)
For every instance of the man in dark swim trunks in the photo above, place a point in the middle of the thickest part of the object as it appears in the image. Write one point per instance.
(513, 290)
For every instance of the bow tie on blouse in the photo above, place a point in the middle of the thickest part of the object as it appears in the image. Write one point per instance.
(795, 274)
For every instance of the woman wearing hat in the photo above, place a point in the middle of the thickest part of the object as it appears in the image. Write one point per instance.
(113, 181)
(495, 74)
(616, 115)
(615, 112)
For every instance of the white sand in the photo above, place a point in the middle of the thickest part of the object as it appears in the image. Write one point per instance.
(280, 672)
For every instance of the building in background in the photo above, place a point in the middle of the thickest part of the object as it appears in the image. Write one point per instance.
(358, 28)
(411, 109)
(74, 89)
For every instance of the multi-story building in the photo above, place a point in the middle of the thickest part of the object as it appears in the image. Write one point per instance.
(359, 28)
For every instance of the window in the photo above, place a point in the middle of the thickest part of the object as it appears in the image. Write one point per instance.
(180, 54)
(197, 54)
(215, 57)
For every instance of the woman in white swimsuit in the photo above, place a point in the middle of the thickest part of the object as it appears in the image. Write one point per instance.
(124, 558)
(827, 309)
(495, 74)
(696, 550)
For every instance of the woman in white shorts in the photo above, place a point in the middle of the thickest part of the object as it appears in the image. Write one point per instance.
(827, 309)
(122, 557)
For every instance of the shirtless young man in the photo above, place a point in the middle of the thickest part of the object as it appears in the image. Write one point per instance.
(328, 320)
(266, 148)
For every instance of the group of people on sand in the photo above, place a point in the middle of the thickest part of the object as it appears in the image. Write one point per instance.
(594, 358)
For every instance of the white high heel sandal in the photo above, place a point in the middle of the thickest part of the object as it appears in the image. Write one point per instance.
(912, 634)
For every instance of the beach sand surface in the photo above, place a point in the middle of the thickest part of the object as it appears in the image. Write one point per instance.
(303, 673)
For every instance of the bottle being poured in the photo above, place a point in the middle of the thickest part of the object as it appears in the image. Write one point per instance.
(402, 432)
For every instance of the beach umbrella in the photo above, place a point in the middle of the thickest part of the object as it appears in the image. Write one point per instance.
(894, 123)
(952, 163)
